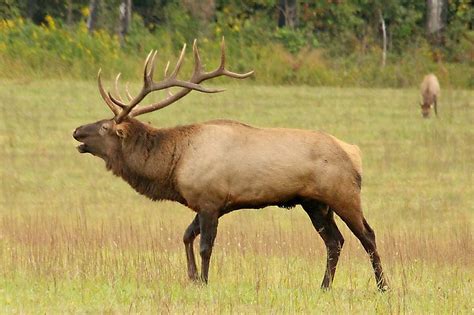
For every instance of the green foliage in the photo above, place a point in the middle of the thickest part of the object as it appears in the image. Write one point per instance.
(308, 54)
(51, 49)
(459, 43)
(9, 9)
(293, 40)
(179, 23)
(37, 10)
(405, 23)
(332, 19)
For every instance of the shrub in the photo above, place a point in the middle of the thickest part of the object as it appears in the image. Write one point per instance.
(52, 50)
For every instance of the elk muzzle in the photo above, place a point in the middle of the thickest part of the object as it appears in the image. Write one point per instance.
(425, 111)
(79, 135)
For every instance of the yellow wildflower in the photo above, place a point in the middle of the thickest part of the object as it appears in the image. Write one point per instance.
(85, 11)
(50, 22)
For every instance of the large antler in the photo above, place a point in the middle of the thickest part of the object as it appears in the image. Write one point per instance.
(121, 110)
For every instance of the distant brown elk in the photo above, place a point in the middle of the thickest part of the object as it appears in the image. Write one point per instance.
(220, 166)
(430, 93)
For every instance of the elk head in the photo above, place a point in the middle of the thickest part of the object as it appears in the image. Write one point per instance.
(425, 110)
(104, 137)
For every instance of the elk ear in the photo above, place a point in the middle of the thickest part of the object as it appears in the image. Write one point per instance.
(121, 131)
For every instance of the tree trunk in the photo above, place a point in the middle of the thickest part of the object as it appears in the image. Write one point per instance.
(125, 19)
(31, 9)
(287, 13)
(384, 39)
(69, 17)
(93, 15)
(435, 18)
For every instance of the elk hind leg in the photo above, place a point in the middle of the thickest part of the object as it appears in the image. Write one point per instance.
(190, 234)
(322, 218)
(362, 230)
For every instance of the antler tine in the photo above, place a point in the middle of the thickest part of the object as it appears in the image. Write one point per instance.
(107, 100)
(145, 66)
(152, 62)
(197, 59)
(116, 87)
(179, 63)
(222, 65)
(222, 70)
(237, 75)
(147, 85)
(166, 74)
(129, 96)
(119, 103)
(166, 68)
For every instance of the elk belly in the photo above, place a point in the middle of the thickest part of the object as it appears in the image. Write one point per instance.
(240, 185)
(244, 167)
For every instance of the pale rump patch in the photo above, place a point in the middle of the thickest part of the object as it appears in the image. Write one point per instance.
(353, 152)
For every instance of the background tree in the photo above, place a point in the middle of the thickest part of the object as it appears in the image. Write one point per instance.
(125, 16)
(288, 13)
(436, 13)
(93, 15)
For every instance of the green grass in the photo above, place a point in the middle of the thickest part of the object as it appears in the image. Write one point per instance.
(74, 238)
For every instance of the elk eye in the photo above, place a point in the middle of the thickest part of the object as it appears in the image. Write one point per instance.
(104, 128)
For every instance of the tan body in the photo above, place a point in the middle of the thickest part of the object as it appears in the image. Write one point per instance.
(221, 166)
(430, 92)
(243, 166)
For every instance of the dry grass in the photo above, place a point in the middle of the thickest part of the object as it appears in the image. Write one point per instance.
(75, 239)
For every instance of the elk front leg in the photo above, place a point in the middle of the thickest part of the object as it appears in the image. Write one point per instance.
(208, 224)
(190, 234)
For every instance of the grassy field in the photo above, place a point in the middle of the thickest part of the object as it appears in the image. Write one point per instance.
(73, 238)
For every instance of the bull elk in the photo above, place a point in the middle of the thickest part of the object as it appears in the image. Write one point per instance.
(220, 166)
(429, 92)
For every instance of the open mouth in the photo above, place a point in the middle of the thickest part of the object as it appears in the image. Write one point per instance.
(82, 148)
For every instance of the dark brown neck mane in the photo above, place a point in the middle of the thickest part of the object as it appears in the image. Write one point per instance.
(148, 158)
